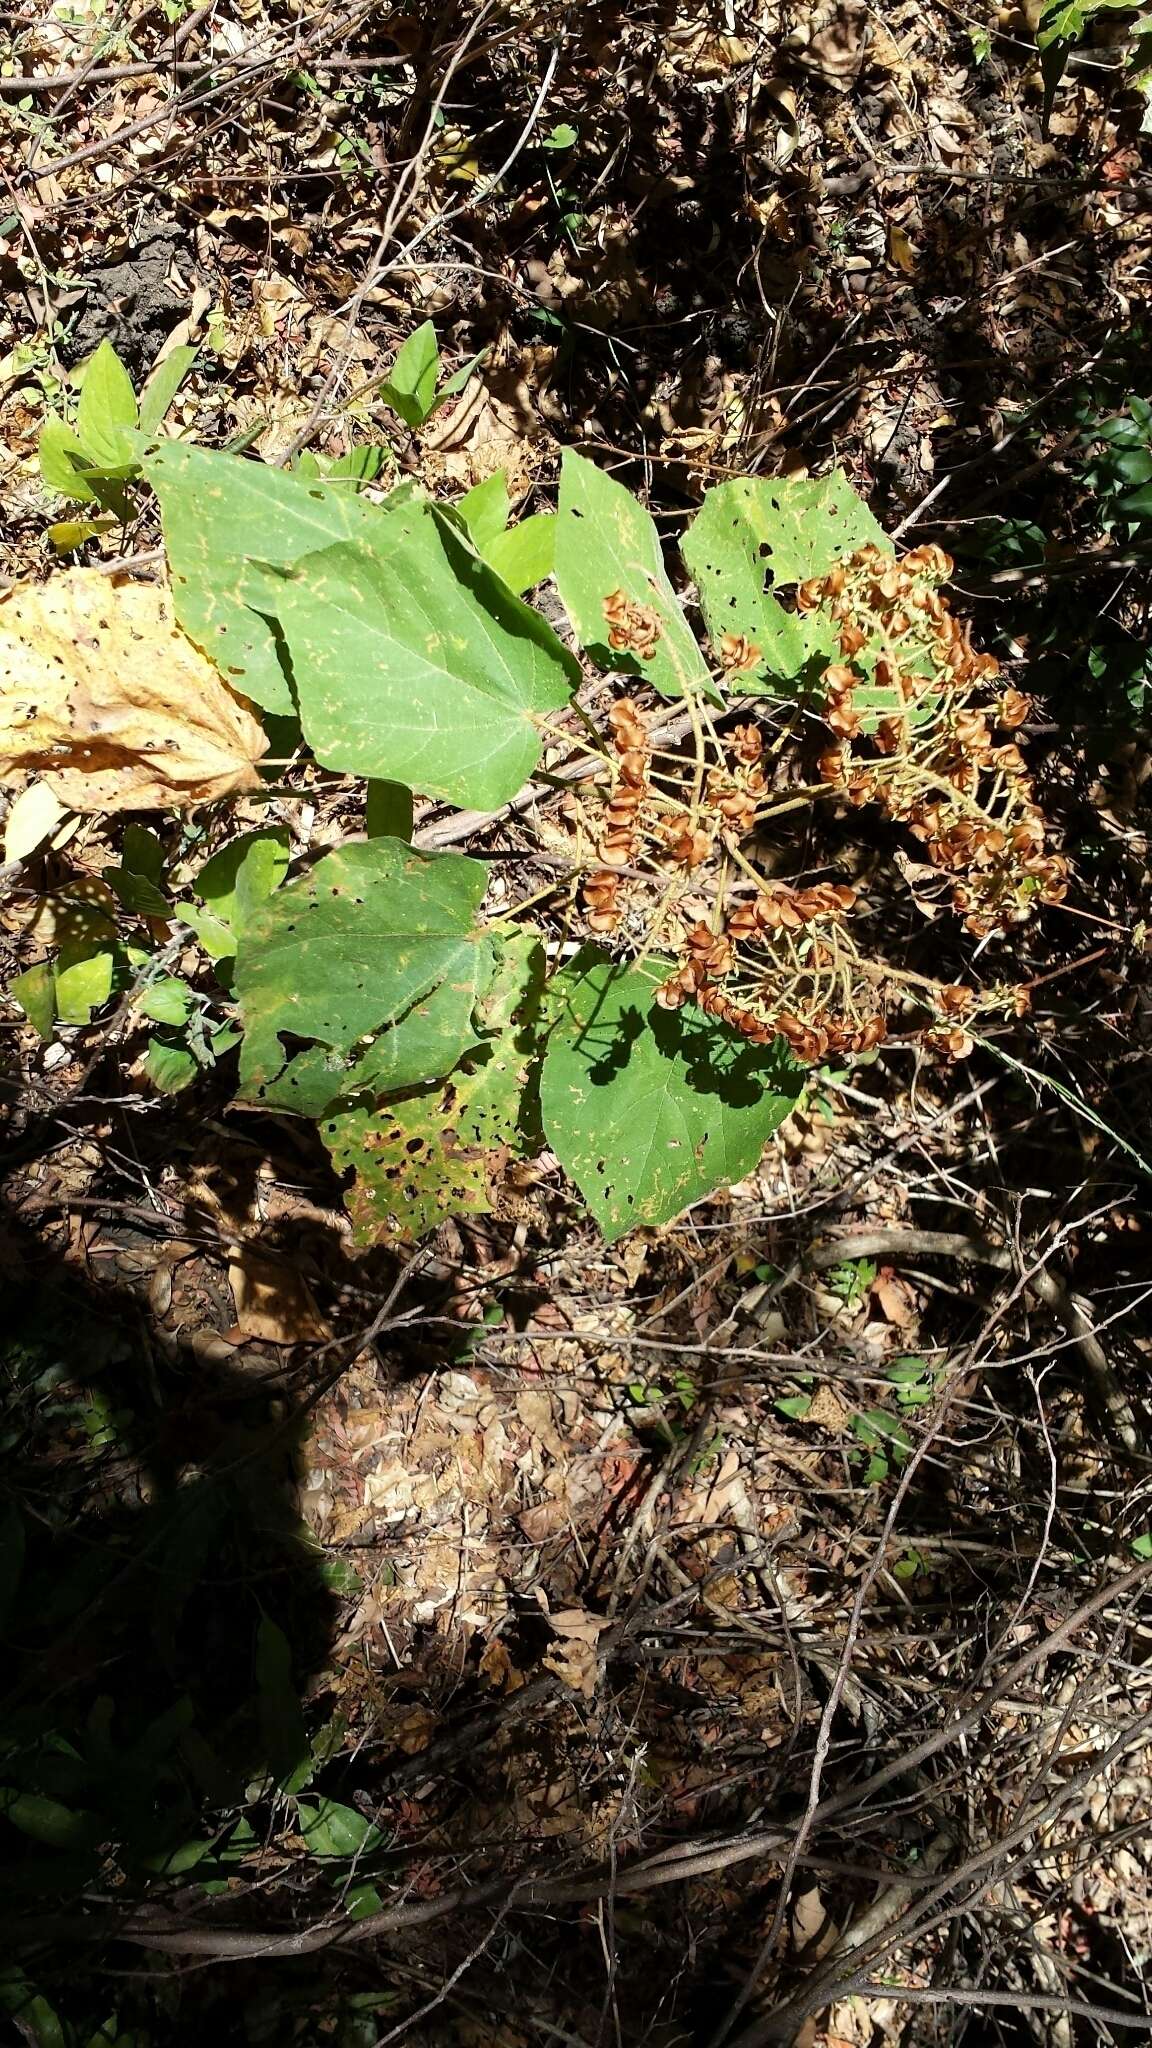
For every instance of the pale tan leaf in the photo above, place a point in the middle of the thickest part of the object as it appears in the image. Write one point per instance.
(35, 815)
(102, 693)
(273, 1302)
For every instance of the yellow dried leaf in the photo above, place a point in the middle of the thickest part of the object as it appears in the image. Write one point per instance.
(103, 694)
(901, 251)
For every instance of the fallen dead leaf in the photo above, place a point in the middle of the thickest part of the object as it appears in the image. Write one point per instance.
(102, 693)
(831, 44)
(273, 1304)
(34, 817)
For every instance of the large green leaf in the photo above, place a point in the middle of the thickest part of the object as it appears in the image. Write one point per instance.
(357, 944)
(413, 662)
(442, 1151)
(222, 515)
(647, 1109)
(606, 542)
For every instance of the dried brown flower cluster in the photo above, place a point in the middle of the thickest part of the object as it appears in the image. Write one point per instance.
(921, 727)
(785, 947)
(915, 738)
(632, 628)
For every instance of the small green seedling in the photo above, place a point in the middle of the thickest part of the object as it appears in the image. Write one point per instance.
(851, 1279)
(886, 1444)
(94, 459)
(413, 388)
(915, 1381)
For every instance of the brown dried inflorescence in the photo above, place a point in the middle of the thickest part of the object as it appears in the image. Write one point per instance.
(632, 628)
(919, 736)
(922, 732)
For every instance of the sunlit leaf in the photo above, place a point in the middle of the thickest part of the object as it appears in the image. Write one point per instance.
(352, 948)
(607, 543)
(648, 1109)
(414, 663)
(410, 386)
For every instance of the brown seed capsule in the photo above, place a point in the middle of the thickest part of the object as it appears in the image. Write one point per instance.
(1013, 709)
(747, 743)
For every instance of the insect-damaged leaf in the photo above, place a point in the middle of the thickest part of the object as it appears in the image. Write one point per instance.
(444, 1150)
(101, 691)
(606, 543)
(413, 662)
(373, 954)
(754, 533)
(647, 1109)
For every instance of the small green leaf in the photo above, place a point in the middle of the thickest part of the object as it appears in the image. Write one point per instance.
(357, 465)
(360, 1903)
(46, 1820)
(410, 386)
(795, 1406)
(168, 1001)
(337, 1573)
(107, 414)
(606, 543)
(333, 1830)
(649, 1109)
(524, 555)
(35, 2019)
(68, 534)
(241, 876)
(484, 511)
(169, 1067)
(281, 1718)
(563, 136)
(1142, 1545)
(875, 1426)
(63, 463)
(83, 981)
(459, 379)
(174, 1862)
(35, 991)
(163, 385)
(137, 881)
(388, 810)
(217, 939)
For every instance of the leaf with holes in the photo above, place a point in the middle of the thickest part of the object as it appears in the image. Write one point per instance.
(725, 551)
(220, 514)
(606, 543)
(356, 945)
(647, 1109)
(755, 534)
(413, 662)
(444, 1150)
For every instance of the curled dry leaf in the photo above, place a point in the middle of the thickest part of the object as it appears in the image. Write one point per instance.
(103, 694)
